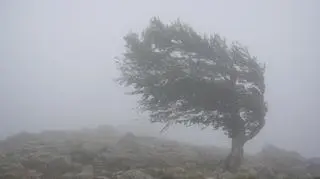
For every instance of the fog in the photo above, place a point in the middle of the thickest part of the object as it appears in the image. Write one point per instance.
(57, 64)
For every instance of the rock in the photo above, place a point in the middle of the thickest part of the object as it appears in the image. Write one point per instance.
(34, 174)
(129, 141)
(86, 173)
(60, 164)
(68, 176)
(101, 177)
(84, 176)
(227, 175)
(280, 159)
(10, 176)
(265, 173)
(243, 173)
(176, 170)
(12, 170)
(133, 174)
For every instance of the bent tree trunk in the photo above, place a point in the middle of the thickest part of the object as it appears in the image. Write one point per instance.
(235, 157)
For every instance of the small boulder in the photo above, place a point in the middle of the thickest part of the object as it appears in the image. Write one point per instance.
(87, 173)
(68, 176)
(133, 174)
(265, 173)
(101, 177)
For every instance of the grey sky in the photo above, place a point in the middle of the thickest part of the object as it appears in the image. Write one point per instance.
(57, 66)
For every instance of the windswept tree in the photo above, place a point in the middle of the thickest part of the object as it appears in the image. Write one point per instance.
(187, 78)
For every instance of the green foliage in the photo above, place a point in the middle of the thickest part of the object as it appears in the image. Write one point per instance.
(184, 77)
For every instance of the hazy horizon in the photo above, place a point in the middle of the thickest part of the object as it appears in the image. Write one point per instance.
(57, 63)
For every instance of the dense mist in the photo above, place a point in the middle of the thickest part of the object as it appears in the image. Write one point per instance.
(58, 69)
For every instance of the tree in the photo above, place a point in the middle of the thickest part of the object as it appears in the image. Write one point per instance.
(186, 78)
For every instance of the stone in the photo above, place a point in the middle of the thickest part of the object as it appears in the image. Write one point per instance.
(86, 173)
(265, 173)
(133, 174)
(101, 177)
(68, 176)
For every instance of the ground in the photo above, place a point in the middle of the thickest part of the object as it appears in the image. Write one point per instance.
(107, 153)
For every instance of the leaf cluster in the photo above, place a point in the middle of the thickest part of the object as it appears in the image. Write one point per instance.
(189, 78)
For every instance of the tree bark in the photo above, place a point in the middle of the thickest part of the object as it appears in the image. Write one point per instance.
(235, 157)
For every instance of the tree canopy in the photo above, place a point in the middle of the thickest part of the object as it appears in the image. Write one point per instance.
(185, 77)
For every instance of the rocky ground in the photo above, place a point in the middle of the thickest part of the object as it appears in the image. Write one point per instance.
(107, 153)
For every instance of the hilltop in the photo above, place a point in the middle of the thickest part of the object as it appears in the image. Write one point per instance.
(111, 153)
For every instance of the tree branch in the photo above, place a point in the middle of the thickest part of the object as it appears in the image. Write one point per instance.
(255, 131)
